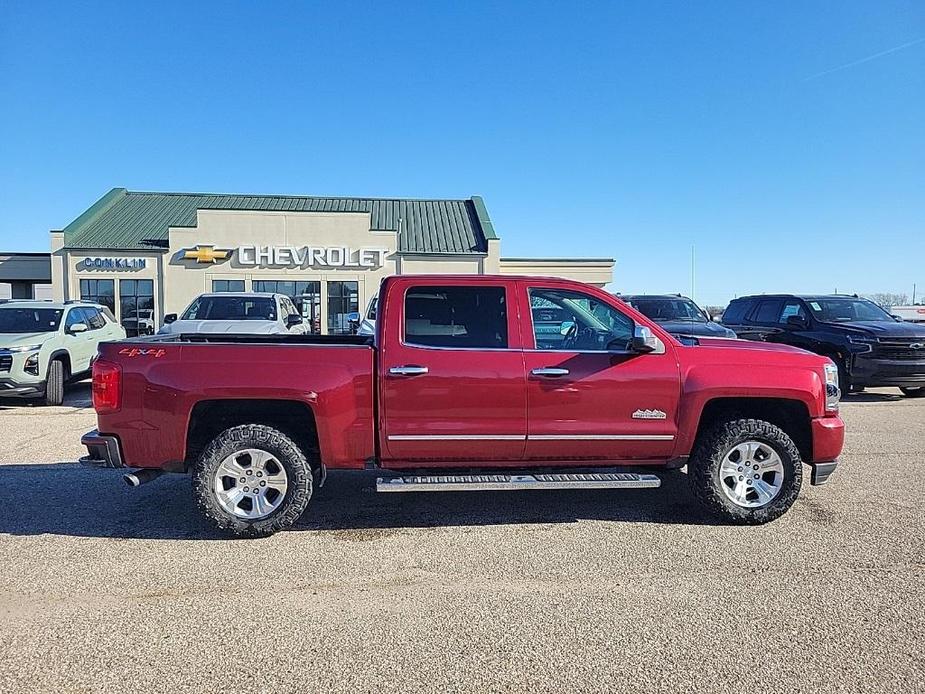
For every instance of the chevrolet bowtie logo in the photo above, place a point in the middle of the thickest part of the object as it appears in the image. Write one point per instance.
(206, 254)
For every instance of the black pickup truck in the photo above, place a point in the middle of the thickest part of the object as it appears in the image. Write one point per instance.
(869, 346)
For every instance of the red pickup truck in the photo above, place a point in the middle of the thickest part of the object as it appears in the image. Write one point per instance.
(471, 382)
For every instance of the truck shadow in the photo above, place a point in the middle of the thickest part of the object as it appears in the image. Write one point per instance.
(67, 499)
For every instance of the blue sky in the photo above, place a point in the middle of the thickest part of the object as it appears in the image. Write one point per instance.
(785, 140)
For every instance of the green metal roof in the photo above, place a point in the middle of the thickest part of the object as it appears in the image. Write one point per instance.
(127, 220)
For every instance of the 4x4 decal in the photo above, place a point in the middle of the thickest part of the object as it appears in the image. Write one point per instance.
(136, 352)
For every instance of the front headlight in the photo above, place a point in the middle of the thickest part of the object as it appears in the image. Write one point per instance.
(865, 343)
(24, 348)
(832, 391)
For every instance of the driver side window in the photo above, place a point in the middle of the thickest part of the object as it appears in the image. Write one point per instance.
(574, 321)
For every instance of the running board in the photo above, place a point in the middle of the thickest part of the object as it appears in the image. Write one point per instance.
(467, 483)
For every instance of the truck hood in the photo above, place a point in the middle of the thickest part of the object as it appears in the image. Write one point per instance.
(680, 327)
(883, 329)
(9, 340)
(238, 327)
(750, 345)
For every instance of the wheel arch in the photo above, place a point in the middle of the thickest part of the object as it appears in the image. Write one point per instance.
(64, 356)
(294, 418)
(792, 416)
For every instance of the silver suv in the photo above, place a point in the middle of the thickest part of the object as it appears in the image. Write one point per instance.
(43, 345)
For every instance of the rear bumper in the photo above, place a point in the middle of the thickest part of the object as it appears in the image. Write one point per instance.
(102, 451)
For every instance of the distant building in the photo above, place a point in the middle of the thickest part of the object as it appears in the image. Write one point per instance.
(157, 251)
(25, 276)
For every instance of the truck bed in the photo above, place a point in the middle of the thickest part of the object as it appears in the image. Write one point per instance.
(169, 383)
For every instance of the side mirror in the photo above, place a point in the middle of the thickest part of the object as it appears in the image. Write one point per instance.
(717, 318)
(898, 319)
(353, 317)
(566, 327)
(293, 320)
(78, 328)
(643, 340)
(797, 321)
(170, 318)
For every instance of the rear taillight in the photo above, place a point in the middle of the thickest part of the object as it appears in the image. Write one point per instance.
(107, 386)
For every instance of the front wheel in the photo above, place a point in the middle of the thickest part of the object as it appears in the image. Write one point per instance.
(917, 392)
(54, 383)
(252, 481)
(746, 471)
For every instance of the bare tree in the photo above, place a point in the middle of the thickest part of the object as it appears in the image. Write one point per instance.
(887, 300)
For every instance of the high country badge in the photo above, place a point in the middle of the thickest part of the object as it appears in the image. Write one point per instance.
(649, 414)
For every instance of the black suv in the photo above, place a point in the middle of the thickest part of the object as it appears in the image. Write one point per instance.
(677, 314)
(869, 346)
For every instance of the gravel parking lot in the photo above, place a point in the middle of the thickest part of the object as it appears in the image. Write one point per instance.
(110, 589)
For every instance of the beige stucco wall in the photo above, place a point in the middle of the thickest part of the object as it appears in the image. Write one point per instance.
(597, 272)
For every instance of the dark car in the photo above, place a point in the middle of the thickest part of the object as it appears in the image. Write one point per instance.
(677, 314)
(869, 346)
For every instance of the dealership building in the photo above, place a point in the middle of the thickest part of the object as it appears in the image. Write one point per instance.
(146, 255)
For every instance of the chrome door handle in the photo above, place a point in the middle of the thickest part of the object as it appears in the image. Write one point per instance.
(550, 372)
(408, 370)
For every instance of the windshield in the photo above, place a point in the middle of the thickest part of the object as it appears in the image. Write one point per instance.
(29, 320)
(847, 310)
(231, 308)
(664, 310)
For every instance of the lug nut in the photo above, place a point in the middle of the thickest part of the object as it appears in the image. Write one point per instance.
(756, 467)
(740, 479)
(256, 491)
(264, 484)
(740, 469)
(259, 474)
(246, 489)
(250, 472)
(756, 476)
(243, 480)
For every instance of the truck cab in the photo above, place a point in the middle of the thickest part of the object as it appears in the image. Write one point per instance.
(470, 382)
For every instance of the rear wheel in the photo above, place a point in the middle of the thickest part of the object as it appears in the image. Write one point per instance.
(252, 481)
(917, 392)
(54, 382)
(746, 471)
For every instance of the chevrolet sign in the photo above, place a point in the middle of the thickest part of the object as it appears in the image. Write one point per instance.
(311, 256)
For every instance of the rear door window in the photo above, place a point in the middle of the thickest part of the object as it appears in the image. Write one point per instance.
(767, 312)
(460, 317)
(735, 313)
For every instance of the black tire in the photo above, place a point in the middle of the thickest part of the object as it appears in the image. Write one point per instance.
(916, 392)
(703, 470)
(283, 449)
(54, 382)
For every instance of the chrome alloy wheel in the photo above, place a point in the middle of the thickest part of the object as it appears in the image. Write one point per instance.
(250, 484)
(751, 474)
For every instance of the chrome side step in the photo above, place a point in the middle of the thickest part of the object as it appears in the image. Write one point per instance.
(467, 483)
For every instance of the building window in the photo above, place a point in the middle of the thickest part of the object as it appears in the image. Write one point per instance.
(343, 299)
(305, 295)
(227, 285)
(101, 292)
(136, 307)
